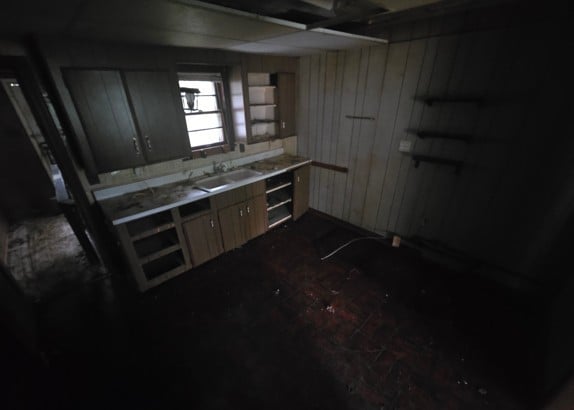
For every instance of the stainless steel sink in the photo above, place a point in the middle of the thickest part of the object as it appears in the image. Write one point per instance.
(240, 174)
(217, 182)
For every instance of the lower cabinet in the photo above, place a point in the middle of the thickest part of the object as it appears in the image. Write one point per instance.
(161, 246)
(242, 222)
(256, 209)
(233, 221)
(300, 191)
(203, 237)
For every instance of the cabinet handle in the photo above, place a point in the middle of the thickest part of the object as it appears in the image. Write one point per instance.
(211, 223)
(298, 179)
(136, 146)
(240, 212)
(148, 143)
(248, 211)
(282, 124)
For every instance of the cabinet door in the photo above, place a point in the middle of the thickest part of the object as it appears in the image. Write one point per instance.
(300, 191)
(203, 238)
(232, 221)
(102, 104)
(286, 103)
(256, 209)
(159, 114)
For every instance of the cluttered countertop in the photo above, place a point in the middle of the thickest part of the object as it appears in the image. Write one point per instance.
(135, 205)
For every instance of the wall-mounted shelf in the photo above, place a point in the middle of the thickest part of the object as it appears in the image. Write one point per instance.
(442, 135)
(428, 100)
(437, 160)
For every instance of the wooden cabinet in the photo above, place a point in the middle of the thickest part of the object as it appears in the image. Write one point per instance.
(242, 214)
(203, 238)
(286, 103)
(159, 114)
(130, 118)
(271, 102)
(154, 248)
(256, 209)
(102, 104)
(300, 191)
(166, 244)
(233, 223)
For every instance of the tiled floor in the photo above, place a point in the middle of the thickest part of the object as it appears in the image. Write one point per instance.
(46, 259)
(271, 326)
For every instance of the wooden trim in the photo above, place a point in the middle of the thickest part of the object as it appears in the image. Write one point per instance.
(177, 219)
(332, 167)
(137, 273)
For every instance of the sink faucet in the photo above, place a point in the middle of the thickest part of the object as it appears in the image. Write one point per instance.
(218, 168)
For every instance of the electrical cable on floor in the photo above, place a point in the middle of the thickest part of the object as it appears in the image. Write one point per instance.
(377, 238)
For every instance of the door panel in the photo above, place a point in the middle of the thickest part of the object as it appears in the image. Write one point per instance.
(159, 114)
(286, 103)
(256, 210)
(232, 223)
(203, 239)
(102, 104)
(300, 191)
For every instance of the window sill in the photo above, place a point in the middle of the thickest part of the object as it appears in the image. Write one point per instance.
(207, 151)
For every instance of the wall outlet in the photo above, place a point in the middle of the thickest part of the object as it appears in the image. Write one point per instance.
(405, 146)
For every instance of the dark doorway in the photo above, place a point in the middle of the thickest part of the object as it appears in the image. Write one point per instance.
(38, 245)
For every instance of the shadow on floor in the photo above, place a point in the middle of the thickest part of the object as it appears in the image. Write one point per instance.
(271, 326)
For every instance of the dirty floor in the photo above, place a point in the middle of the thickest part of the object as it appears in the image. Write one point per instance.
(45, 257)
(271, 326)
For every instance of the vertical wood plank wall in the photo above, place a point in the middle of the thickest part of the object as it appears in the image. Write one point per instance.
(489, 209)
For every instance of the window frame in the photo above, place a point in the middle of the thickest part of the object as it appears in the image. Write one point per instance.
(223, 96)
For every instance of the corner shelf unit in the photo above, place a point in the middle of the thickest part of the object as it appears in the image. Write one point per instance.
(279, 195)
(262, 106)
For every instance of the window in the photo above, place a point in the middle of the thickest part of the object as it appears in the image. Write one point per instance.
(204, 105)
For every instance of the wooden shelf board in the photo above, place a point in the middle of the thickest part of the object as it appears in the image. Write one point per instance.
(279, 204)
(160, 253)
(152, 231)
(280, 221)
(278, 187)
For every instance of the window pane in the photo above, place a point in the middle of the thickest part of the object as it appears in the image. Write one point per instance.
(206, 137)
(205, 87)
(203, 121)
(206, 103)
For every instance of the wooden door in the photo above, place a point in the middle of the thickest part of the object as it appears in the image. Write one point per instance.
(232, 221)
(203, 238)
(300, 191)
(159, 114)
(286, 103)
(256, 209)
(103, 108)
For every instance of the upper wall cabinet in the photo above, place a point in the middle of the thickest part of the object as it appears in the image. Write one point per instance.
(286, 103)
(271, 102)
(159, 114)
(103, 107)
(130, 118)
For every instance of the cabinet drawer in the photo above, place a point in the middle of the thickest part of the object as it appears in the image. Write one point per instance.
(228, 198)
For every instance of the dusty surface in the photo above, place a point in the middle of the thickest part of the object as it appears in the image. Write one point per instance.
(271, 326)
(145, 202)
(45, 257)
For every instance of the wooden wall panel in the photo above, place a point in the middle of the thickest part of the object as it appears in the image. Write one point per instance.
(485, 207)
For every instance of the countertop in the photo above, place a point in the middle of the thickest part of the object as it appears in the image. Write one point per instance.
(135, 205)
